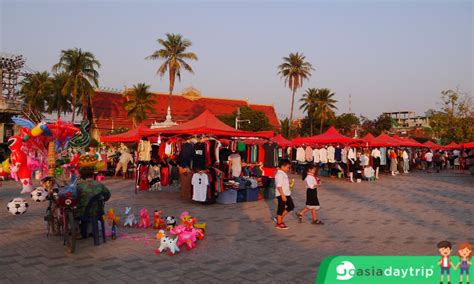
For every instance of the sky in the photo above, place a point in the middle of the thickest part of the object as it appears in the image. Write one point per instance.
(388, 55)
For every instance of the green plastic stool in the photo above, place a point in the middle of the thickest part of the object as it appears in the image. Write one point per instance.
(341, 175)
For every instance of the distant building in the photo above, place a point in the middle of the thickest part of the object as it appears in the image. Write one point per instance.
(109, 113)
(408, 122)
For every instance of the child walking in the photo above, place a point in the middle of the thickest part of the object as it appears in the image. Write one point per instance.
(283, 194)
(312, 201)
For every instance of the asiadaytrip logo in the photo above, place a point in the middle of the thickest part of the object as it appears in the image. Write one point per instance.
(345, 270)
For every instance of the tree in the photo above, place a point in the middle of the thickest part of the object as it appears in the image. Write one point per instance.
(174, 54)
(80, 67)
(346, 123)
(325, 105)
(57, 101)
(258, 120)
(285, 126)
(309, 106)
(383, 123)
(35, 89)
(139, 102)
(294, 70)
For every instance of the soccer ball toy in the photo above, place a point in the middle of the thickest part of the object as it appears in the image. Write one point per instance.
(17, 206)
(39, 194)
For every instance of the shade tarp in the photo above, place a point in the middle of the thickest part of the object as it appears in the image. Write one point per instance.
(207, 124)
(383, 140)
(451, 146)
(330, 136)
(405, 141)
(431, 145)
(281, 141)
(133, 135)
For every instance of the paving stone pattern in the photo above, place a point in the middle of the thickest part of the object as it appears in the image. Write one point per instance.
(403, 215)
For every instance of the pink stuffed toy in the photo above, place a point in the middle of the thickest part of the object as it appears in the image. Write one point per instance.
(185, 236)
(144, 219)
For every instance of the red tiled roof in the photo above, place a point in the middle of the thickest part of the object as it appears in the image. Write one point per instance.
(109, 112)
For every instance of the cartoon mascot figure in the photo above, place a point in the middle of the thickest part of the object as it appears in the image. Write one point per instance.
(19, 164)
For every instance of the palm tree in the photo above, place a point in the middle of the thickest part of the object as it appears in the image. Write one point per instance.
(174, 54)
(309, 105)
(139, 102)
(57, 101)
(35, 90)
(294, 69)
(80, 66)
(324, 105)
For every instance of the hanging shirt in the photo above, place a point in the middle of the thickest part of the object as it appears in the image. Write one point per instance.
(338, 154)
(351, 155)
(309, 154)
(186, 155)
(331, 154)
(144, 150)
(301, 155)
(270, 154)
(200, 181)
(168, 148)
(241, 146)
(383, 156)
(316, 158)
(199, 159)
(224, 154)
(323, 155)
(344, 155)
(236, 162)
(364, 160)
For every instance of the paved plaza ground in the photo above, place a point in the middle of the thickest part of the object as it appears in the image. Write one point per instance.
(403, 215)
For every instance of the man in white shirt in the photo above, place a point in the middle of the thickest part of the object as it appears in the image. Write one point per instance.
(376, 160)
(429, 158)
(406, 161)
(283, 194)
(124, 159)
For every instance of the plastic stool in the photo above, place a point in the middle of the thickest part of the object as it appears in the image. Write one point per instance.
(341, 175)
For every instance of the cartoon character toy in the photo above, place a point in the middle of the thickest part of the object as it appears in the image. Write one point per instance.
(158, 222)
(130, 220)
(167, 243)
(185, 236)
(170, 222)
(19, 164)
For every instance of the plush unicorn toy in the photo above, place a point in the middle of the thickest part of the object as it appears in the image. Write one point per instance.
(130, 220)
(167, 243)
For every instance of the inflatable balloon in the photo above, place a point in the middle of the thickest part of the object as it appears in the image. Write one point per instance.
(87, 161)
(17, 206)
(20, 163)
(83, 138)
(101, 166)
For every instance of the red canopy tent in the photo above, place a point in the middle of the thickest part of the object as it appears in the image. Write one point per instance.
(133, 135)
(367, 138)
(383, 140)
(405, 141)
(468, 145)
(330, 136)
(281, 141)
(207, 123)
(431, 145)
(415, 143)
(451, 146)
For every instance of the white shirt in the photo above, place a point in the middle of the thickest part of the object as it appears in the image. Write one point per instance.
(200, 181)
(125, 158)
(316, 158)
(281, 180)
(331, 153)
(375, 153)
(168, 149)
(445, 261)
(323, 155)
(429, 157)
(312, 182)
(344, 155)
(300, 155)
(369, 172)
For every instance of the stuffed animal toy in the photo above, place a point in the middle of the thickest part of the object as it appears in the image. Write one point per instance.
(185, 236)
(144, 219)
(167, 243)
(158, 222)
(170, 222)
(19, 164)
(130, 220)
